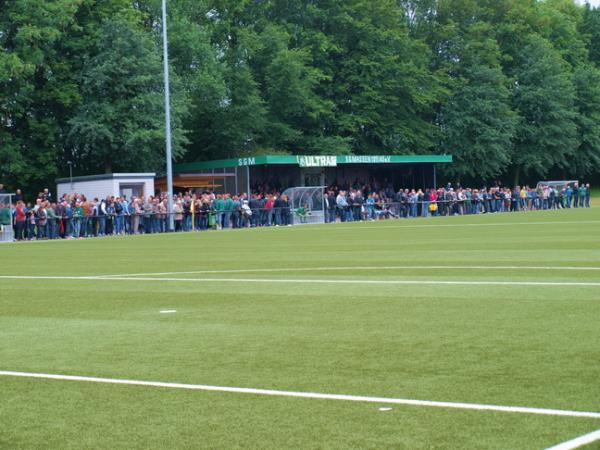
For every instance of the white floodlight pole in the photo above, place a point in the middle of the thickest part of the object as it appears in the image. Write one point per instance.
(167, 117)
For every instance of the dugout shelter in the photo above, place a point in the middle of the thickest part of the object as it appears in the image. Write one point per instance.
(284, 171)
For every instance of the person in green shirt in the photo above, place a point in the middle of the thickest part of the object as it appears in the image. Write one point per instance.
(5, 216)
(52, 221)
(219, 206)
(76, 221)
(582, 194)
(302, 212)
(229, 208)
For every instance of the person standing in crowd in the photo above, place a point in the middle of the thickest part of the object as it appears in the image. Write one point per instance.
(204, 211)
(268, 209)
(110, 215)
(161, 209)
(588, 195)
(219, 206)
(76, 220)
(254, 204)
(86, 219)
(569, 195)
(60, 213)
(582, 195)
(20, 221)
(41, 220)
(246, 214)
(135, 210)
(101, 215)
(52, 220)
(119, 216)
(357, 206)
(412, 200)
(228, 210)
(342, 205)
(370, 207)
(426, 198)
(515, 199)
(330, 207)
(146, 219)
(126, 215)
(46, 195)
(187, 213)
(286, 211)
(178, 213)
(278, 207)
(235, 215)
(433, 206)
(31, 222)
(576, 195)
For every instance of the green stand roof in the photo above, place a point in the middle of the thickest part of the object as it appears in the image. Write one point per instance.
(311, 161)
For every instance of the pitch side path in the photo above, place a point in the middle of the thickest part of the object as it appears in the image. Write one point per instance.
(458, 332)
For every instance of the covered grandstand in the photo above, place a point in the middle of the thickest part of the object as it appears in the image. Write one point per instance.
(241, 174)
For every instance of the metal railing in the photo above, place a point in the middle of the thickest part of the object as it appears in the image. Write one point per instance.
(73, 226)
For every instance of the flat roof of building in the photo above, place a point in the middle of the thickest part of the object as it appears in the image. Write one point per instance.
(106, 176)
(311, 161)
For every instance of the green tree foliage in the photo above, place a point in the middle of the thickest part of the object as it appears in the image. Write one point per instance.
(590, 28)
(120, 123)
(544, 99)
(37, 90)
(587, 87)
(509, 87)
(478, 122)
(379, 78)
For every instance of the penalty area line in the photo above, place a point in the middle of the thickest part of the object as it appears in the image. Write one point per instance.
(311, 395)
(578, 442)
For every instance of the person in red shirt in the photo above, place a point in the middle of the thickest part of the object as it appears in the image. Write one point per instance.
(269, 204)
(433, 196)
(20, 221)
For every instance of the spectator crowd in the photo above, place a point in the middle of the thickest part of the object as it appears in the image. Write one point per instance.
(75, 216)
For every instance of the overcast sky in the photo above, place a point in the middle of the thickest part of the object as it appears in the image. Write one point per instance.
(591, 2)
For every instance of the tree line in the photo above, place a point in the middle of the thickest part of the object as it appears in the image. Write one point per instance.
(511, 88)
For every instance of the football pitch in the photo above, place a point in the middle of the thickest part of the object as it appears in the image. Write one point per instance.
(475, 332)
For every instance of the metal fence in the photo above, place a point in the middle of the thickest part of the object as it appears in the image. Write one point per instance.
(51, 227)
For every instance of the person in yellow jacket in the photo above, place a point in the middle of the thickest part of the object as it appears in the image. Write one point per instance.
(523, 197)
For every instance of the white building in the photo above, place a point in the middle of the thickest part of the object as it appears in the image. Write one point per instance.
(99, 186)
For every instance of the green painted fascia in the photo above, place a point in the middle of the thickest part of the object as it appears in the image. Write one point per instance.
(293, 160)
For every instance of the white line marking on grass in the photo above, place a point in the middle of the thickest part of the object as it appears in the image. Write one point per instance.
(168, 311)
(318, 281)
(354, 268)
(390, 282)
(313, 395)
(578, 442)
(50, 277)
(431, 225)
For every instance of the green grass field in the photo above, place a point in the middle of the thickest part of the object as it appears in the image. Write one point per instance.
(353, 309)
